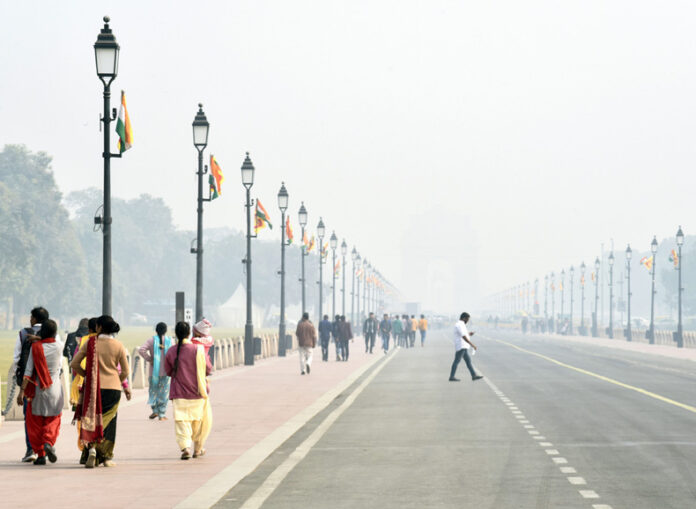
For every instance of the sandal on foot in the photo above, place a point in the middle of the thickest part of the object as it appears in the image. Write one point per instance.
(185, 454)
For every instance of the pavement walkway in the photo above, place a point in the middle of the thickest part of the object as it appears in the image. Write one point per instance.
(254, 410)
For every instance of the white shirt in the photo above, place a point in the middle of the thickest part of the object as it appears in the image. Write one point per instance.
(460, 331)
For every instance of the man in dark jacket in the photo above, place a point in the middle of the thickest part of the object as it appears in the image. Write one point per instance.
(325, 337)
(370, 332)
(307, 340)
(345, 334)
(385, 328)
(73, 340)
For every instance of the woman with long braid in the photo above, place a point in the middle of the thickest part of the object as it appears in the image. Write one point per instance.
(153, 351)
(188, 366)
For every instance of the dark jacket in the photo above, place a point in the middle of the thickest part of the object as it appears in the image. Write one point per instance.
(385, 326)
(325, 330)
(345, 332)
(336, 329)
(72, 342)
(370, 326)
(306, 334)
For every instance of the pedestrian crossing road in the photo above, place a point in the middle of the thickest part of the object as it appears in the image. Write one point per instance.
(553, 424)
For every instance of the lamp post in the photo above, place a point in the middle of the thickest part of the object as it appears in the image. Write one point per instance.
(366, 266)
(610, 331)
(651, 332)
(283, 199)
(629, 255)
(536, 297)
(201, 128)
(353, 257)
(583, 331)
(248, 181)
(333, 244)
(680, 330)
(358, 263)
(321, 230)
(106, 51)
(562, 296)
(595, 317)
(572, 299)
(303, 222)
(344, 250)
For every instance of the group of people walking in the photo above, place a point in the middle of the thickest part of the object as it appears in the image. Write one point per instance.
(403, 329)
(99, 363)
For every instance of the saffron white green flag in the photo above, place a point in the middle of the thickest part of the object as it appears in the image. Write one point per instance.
(123, 127)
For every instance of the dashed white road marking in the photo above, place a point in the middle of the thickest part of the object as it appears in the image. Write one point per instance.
(552, 453)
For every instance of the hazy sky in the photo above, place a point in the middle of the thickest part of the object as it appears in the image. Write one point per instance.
(529, 131)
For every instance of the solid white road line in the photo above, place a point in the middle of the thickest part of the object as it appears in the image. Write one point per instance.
(215, 488)
(280, 473)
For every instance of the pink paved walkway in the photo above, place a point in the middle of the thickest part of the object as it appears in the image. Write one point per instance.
(248, 404)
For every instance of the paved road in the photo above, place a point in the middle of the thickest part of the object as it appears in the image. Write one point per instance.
(554, 424)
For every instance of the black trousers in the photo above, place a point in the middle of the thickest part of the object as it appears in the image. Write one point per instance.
(344, 349)
(369, 341)
(464, 352)
(325, 349)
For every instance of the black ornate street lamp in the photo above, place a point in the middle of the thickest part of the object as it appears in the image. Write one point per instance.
(366, 268)
(201, 128)
(610, 330)
(651, 331)
(629, 255)
(353, 257)
(595, 317)
(321, 230)
(680, 331)
(358, 264)
(283, 199)
(248, 181)
(106, 51)
(333, 243)
(303, 222)
(344, 250)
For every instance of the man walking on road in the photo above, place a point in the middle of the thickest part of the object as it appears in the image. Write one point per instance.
(307, 340)
(423, 328)
(336, 333)
(325, 337)
(385, 329)
(370, 331)
(345, 334)
(462, 343)
(414, 327)
(397, 330)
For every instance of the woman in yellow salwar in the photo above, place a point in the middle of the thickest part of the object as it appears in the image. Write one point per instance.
(188, 366)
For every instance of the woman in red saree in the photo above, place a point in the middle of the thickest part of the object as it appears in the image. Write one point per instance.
(97, 409)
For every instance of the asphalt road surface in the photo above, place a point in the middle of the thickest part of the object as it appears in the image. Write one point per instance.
(552, 425)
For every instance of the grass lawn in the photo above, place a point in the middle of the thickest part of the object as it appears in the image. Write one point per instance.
(129, 336)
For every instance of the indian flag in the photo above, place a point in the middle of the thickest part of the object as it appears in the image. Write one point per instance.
(216, 173)
(123, 127)
(288, 231)
(310, 246)
(262, 217)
